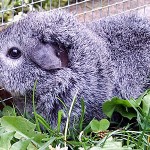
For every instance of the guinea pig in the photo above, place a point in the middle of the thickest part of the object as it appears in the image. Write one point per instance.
(64, 57)
(128, 40)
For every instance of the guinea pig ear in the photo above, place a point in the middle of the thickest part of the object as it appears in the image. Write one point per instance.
(48, 57)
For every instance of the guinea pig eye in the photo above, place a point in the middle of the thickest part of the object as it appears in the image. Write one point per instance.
(14, 53)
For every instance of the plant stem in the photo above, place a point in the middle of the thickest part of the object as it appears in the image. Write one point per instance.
(68, 118)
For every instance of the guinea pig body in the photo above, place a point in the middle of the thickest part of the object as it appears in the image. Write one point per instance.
(128, 39)
(103, 59)
(63, 56)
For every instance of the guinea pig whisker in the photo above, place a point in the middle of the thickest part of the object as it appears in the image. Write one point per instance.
(6, 99)
(2, 89)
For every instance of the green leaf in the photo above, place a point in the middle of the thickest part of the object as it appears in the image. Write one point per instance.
(101, 125)
(47, 144)
(140, 98)
(44, 123)
(126, 112)
(5, 139)
(60, 114)
(124, 107)
(109, 106)
(2, 130)
(110, 144)
(8, 111)
(95, 125)
(81, 120)
(32, 146)
(23, 127)
(21, 145)
(146, 104)
(19, 124)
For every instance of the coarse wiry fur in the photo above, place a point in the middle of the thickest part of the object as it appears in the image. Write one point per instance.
(88, 71)
(128, 39)
(106, 58)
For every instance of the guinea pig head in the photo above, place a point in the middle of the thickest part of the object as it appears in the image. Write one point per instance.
(25, 58)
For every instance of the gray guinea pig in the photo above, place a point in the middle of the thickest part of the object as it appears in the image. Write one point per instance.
(63, 56)
(128, 39)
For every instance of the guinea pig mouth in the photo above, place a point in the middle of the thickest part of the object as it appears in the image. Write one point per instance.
(9, 93)
(5, 95)
(15, 93)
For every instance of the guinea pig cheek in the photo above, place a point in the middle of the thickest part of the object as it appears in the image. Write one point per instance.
(10, 63)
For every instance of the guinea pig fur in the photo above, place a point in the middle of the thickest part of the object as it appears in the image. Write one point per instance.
(63, 56)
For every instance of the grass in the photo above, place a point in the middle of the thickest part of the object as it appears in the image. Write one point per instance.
(17, 132)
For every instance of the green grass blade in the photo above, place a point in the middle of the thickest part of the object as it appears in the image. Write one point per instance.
(34, 109)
